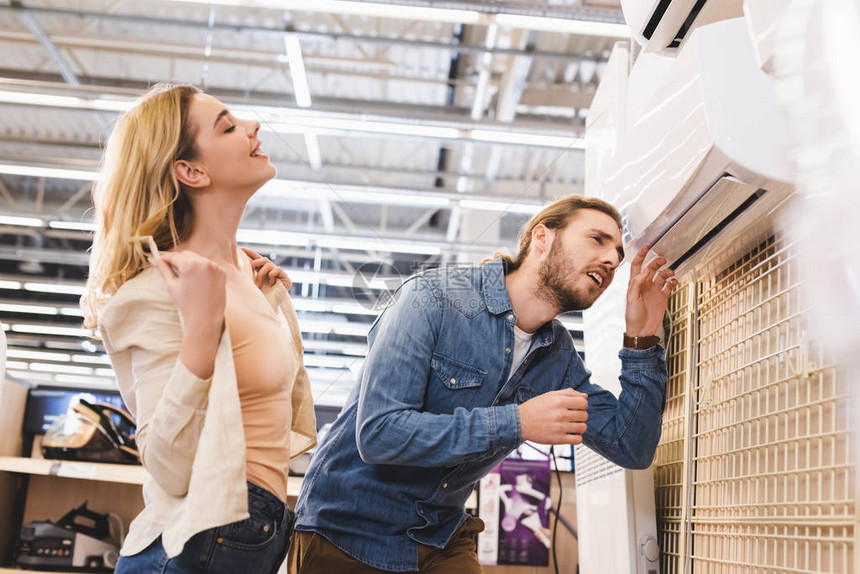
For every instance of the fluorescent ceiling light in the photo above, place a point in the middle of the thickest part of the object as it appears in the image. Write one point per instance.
(57, 101)
(32, 99)
(502, 206)
(55, 368)
(379, 10)
(357, 349)
(337, 126)
(354, 281)
(9, 285)
(354, 309)
(271, 237)
(318, 306)
(342, 376)
(51, 330)
(431, 14)
(303, 190)
(376, 127)
(71, 311)
(352, 330)
(357, 244)
(21, 221)
(315, 305)
(72, 225)
(18, 365)
(267, 237)
(23, 308)
(110, 105)
(86, 382)
(50, 172)
(105, 373)
(344, 328)
(56, 288)
(329, 361)
(31, 376)
(98, 359)
(297, 70)
(286, 120)
(563, 25)
(519, 138)
(38, 355)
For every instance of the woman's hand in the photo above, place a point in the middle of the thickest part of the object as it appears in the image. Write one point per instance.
(264, 268)
(197, 286)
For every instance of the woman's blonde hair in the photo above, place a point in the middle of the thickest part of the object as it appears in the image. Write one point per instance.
(557, 215)
(138, 193)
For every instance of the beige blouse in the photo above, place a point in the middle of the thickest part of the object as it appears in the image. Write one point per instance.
(190, 431)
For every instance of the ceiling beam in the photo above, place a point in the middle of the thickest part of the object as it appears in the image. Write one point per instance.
(334, 34)
(56, 57)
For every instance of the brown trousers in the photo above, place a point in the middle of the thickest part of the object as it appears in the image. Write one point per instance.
(310, 553)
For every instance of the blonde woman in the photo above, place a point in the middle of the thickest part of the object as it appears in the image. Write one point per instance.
(194, 330)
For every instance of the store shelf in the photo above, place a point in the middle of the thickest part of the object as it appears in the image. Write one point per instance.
(122, 473)
(19, 570)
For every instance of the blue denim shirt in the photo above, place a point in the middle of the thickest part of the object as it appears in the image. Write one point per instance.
(434, 411)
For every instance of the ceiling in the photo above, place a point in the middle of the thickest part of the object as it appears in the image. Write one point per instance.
(406, 135)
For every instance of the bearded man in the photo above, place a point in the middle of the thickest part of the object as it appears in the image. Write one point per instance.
(462, 367)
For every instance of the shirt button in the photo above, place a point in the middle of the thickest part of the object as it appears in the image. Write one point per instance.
(444, 485)
(453, 381)
(507, 349)
(510, 316)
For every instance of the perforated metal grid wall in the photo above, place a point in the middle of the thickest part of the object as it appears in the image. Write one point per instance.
(770, 467)
(670, 466)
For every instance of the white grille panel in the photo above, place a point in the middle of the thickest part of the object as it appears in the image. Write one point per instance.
(591, 467)
(770, 466)
(671, 461)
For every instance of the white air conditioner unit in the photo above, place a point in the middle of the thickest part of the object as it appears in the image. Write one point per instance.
(663, 26)
(691, 150)
(762, 17)
(707, 157)
(615, 508)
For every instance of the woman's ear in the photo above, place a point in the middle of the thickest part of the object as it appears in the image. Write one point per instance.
(189, 174)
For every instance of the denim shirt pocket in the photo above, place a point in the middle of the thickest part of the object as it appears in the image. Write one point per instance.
(453, 384)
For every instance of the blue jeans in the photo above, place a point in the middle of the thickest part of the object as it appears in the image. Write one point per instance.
(257, 544)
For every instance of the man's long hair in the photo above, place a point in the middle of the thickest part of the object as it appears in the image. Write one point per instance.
(557, 215)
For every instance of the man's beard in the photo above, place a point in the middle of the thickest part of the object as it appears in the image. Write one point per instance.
(555, 275)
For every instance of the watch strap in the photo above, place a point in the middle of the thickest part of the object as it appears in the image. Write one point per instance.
(640, 343)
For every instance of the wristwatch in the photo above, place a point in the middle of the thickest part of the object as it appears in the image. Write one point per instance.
(641, 342)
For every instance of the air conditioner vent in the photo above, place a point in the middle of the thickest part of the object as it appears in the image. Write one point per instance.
(654, 21)
(688, 23)
(718, 228)
(658, 15)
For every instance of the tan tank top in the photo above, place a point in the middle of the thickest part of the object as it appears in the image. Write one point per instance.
(265, 370)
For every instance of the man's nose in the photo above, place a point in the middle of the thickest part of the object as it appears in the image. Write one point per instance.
(612, 259)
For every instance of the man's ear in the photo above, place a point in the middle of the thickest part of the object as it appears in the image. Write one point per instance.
(189, 174)
(542, 238)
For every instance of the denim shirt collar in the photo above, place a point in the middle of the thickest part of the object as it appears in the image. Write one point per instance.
(493, 286)
(495, 293)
